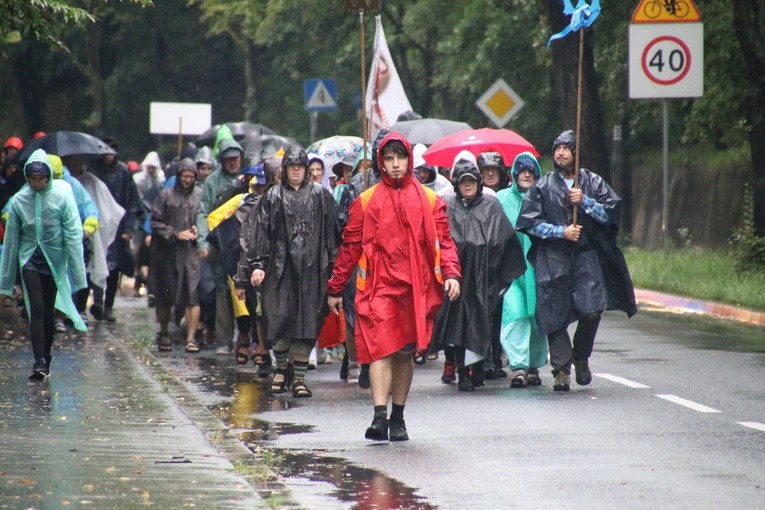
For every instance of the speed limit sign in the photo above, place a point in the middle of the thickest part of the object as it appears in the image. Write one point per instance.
(666, 60)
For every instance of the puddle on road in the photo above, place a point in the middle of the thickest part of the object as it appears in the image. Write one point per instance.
(246, 397)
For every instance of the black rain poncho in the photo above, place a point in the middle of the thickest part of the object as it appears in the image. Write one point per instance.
(575, 279)
(491, 258)
(296, 244)
(174, 265)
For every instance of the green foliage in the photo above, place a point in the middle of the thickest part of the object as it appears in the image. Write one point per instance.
(43, 19)
(697, 273)
(747, 248)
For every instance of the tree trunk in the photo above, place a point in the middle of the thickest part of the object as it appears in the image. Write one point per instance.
(250, 91)
(565, 63)
(749, 18)
(31, 88)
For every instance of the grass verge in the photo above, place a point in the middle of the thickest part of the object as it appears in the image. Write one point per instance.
(696, 273)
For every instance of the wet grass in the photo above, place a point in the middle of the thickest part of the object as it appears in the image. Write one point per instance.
(696, 273)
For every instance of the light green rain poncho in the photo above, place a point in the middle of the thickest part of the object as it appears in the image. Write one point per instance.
(48, 219)
(520, 337)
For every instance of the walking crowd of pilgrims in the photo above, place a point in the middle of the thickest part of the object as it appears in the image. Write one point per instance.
(388, 263)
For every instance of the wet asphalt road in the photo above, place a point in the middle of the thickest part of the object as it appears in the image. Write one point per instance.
(675, 417)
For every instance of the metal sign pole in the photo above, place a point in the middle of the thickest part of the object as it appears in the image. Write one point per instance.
(665, 173)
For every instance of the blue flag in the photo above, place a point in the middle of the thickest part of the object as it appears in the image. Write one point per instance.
(582, 15)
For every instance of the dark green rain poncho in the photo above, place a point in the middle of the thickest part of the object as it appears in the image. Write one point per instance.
(47, 219)
(295, 245)
(490, 257)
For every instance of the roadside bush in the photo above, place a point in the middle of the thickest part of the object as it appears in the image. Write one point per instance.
(748, 249)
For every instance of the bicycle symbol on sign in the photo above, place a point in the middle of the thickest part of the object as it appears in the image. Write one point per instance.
(676, 8)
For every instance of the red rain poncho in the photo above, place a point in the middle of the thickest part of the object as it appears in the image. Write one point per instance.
(400, 227)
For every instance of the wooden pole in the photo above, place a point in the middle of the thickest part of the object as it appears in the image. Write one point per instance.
(364, 130)
(578, 115)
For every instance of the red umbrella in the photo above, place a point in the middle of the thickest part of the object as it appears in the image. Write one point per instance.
(508, 143)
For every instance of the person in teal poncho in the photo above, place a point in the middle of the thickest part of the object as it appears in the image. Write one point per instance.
(43, 239)
(525, 346)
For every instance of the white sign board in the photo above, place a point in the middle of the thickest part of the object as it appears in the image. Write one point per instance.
(666, 60)
(179, 118)
(500, 103)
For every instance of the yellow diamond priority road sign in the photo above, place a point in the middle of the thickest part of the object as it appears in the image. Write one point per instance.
(500, 103)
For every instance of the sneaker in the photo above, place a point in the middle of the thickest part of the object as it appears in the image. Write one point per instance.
(489, 371)
(224, 350)
(449, 375)
(465, 382)
(519, 379)
(109, 315)
(84, 318)
(501, 374)
(364, 377)
(378, 430)
(344, 368)
(60, 326)
(397, 430)
(583, 374)
(97, 312)
(40, 370)
(477, 374)
(532, 378)
(354, 369)
(562, 380)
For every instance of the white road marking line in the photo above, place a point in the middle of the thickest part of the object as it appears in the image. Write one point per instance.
(689, 404)
(622, 380)
(753, 425)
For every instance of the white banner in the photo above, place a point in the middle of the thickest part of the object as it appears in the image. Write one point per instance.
(386, 98)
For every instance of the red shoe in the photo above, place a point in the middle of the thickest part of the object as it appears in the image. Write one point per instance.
(449, 375)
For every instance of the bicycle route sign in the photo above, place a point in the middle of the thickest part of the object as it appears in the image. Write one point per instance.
(666, 50)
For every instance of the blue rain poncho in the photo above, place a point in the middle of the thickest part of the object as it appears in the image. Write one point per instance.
(48, 219)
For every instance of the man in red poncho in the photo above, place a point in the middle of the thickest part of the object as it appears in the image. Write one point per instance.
(398, 234)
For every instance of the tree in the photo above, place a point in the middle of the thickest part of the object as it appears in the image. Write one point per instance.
(565, 65)
(749, 18)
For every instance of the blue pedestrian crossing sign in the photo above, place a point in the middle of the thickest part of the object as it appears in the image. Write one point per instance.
(320, 95)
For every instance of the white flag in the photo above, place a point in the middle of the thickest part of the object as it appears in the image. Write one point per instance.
(386, 98)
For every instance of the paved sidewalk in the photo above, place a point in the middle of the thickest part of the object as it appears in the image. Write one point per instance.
(106, 431)
(652, 300)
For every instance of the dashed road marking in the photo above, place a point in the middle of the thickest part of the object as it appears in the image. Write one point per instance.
(753, 425)
(622, 380)
(689, 404)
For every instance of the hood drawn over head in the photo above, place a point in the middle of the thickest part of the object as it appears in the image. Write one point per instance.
(230, 148)
(204, 156)
(419, 162)
(38, 164)
(523, 161)
(295, 155)
(465, 166)
(486, 159)
(390, 181)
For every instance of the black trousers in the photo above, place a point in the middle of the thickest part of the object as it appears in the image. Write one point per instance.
(105, 297)
(562, 352)
(41, 295)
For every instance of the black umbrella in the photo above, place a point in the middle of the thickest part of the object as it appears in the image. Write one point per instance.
(238, 129)
(66, 143)
(259, 148)
(427, 131)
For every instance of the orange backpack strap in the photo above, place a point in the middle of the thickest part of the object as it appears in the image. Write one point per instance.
(361, 274)
(432, 201)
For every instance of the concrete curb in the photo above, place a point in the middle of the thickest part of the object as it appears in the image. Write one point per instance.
(679, 304)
